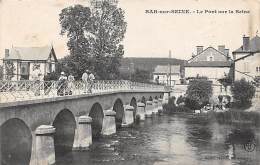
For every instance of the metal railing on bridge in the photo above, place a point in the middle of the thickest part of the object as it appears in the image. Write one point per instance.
(13, 91)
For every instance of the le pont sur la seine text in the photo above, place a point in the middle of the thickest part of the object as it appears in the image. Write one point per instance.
(187, 11)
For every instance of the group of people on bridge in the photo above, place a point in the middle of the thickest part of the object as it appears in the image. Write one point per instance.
(66, 84)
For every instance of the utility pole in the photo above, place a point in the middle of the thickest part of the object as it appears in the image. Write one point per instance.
(170, 67)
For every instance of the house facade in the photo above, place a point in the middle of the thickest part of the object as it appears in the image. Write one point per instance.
(166, 74)
(247, 59)
(19, 62)
(210, 62)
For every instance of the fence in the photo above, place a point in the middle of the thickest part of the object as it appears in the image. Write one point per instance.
(12, 91)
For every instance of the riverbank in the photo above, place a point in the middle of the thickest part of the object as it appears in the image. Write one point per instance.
(228, 117)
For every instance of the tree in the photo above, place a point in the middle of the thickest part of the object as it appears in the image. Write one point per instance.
(180, 100)
(94, 38)
(141, 76)
(243, 92)
(9, 70)
(1, 72)
(198, 93)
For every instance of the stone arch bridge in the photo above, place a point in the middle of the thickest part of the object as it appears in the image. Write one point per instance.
(35, 131)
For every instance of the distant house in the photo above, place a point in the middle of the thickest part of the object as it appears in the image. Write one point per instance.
(247, 59)
(130, 64)
(210, 62)
(167, 75)
(23, 59)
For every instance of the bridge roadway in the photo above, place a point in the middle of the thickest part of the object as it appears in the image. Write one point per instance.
(35, 131)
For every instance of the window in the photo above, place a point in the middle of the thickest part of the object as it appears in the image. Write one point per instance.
(50, 67)
(258, 69)
(210, 58)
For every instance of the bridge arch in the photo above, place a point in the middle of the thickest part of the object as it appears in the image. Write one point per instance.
(134, 104)
(97, 115)
(15, 142)
(118, 107)
(65, 125)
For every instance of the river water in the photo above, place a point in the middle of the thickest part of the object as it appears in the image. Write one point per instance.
(173, 140)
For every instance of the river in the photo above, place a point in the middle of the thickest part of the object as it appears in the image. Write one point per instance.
(173, 140)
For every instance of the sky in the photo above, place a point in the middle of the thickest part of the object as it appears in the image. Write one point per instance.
(36, 23)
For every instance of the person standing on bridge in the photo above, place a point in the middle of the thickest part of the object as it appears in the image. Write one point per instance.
(62, 84)
(71, 80)
(36, 77)
(91, 79)
(85, 80)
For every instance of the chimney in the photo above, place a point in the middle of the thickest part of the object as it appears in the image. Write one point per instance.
(221, 48)
(245, 43)
(226, 52)
(199, 49)
(7, 53)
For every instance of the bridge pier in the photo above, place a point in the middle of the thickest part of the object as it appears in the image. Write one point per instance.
(43, 149)
(141, 111)
(128, 119)
(109, 122)
(155, 106)
(83, 133)
(148, 109)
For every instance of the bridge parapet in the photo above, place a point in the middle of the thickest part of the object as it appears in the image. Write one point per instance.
(13, 91)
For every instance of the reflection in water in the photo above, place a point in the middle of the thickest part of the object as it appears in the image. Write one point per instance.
(173, 140)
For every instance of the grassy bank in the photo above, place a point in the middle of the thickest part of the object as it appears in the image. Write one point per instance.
(238, 117)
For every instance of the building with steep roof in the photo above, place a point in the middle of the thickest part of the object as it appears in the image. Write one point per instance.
(247, 59)
(210, 62)
(24, 59)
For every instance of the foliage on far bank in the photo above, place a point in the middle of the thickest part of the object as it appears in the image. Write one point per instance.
(198, 93)
(243, 92)
(171, 107)
(94, 39)
(141, 76)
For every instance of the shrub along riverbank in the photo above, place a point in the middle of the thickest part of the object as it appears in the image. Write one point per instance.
(235, 115)
(232, 116)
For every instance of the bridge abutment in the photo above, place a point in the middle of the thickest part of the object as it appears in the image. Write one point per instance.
(148, 109)
(141, 111)
(43, 152)
(128, 119)
(109, 122)
(83, 133)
